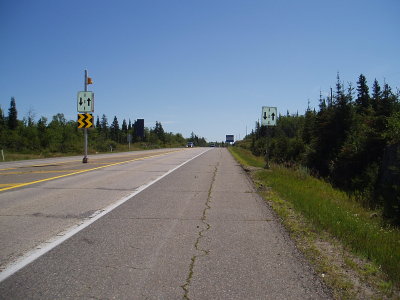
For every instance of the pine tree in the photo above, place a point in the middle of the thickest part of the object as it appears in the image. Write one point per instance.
(12, 115)
(104, 126)
(98, 126)
(42, 132)
(329, 100)
(342, 99)
(376, 96)
(159, 131)
(342, 115)
(322, 102)
(363, 100)
(257, 129)
(104, 122)
(124, 127)
(2, 119)
(388, 101)
(323, 141)
(114, 130)
(378, 108)
(3, 132)
(115, 123)
(308, 127)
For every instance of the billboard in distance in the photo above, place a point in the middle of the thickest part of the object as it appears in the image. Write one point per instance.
(230, 138)
(139, 128)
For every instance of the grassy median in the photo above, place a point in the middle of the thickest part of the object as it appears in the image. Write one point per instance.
(329, 210)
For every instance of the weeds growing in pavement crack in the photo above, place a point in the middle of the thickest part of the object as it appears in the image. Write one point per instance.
(201, 233)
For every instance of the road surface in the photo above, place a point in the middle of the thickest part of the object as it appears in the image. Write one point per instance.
(186, 224)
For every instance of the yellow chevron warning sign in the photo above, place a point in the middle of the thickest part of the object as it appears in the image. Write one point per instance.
(85, 120)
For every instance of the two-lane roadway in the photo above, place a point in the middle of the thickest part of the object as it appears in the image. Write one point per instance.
(41, 199)
(165, 224)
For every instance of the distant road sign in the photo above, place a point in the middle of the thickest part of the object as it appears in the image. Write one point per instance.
(85, 102)
(85, 120)
(230, 138)
(139, 128)
(269, 116)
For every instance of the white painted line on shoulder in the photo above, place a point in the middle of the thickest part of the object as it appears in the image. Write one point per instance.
(65, 235)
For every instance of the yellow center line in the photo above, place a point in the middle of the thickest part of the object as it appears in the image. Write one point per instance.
(42, 165)
(38, 172)
(92, 160)
(84, 171)
(8, 169)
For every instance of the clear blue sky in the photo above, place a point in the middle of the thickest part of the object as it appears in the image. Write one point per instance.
(204, 66)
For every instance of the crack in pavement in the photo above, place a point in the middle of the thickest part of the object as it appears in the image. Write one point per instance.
(201, 234)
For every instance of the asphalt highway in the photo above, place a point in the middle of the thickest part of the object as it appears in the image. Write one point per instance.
(167, 224)
(41, 199)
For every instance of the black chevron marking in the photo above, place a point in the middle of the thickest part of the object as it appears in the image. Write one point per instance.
(85, 120)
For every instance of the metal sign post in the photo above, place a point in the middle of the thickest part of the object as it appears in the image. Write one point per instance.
(85, 105)
(129, 137)
(85, 158)
(268, 119)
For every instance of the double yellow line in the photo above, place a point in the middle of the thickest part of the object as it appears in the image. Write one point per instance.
(83, 171)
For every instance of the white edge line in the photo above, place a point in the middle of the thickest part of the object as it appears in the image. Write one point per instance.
(48, 245)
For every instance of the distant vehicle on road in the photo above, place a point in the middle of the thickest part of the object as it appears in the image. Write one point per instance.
(212, 145)
(190, 145)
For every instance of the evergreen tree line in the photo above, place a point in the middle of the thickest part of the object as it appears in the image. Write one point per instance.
(353, 141)
(62, 136)
(198, 141)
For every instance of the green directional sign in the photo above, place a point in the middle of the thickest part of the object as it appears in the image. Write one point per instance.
(269, 116)
(85, 102)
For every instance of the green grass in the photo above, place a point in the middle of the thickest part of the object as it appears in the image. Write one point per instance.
(333, 211)
(246, 158)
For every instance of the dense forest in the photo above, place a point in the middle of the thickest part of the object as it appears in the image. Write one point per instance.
(352, 141)
(63, 136)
